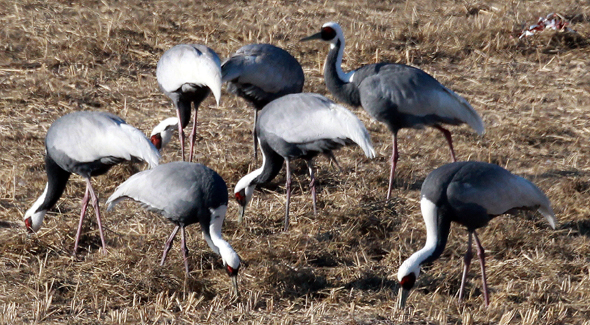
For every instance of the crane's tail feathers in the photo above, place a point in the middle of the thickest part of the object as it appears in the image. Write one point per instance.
(112, 201)
(468, 114)
(355, 129)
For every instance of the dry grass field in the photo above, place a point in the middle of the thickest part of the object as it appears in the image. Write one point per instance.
(339, 267)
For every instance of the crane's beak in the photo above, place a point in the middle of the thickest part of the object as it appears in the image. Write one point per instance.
(402, 296)
(242, 213)
(311, 37)
(234, 280)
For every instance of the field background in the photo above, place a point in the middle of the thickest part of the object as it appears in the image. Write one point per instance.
(339, 267)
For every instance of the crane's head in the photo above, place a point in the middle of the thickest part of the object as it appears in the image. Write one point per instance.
(243, 192)
(162, 133)
(407, 275)
(34, 216)
(330, 32)
(231, 262)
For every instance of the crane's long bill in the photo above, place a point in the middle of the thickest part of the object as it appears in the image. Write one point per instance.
(234, 281)
(242, 213)
(402, 296)
(311, 37)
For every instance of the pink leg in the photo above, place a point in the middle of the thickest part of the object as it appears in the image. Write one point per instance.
(193, 136)
(482, 258)
(312, 185)
(82, 214)
(394, 158)
(97, 212)
(184, 250)
(288, 186)
(447, 135)
(169, 244)
(467, 262)
(180, 134)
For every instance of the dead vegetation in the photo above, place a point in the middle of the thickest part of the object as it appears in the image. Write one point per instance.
(339, 267)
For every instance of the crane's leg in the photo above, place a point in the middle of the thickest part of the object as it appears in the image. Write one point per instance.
(184, 250)
(254, 136)
(482, 258)
(193, 136)
(97, 212)
(447, 135)
(82, 214)
(394, 158)
(168, 244)
(312, 186)
(467, 262)
(288, 188)
(180, 134)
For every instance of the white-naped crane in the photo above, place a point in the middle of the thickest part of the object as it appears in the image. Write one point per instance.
(300, 126)
(261, 73)
(88, 144)
(162, 133)
(184, 193)
(187, 73)
(395, 94)
(471, 194)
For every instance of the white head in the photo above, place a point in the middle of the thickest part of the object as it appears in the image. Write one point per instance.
(244, 190)
(407, 275)
(162, 133)
(330, 32)
(33, 218)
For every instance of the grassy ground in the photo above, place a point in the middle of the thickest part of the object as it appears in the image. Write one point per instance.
(338, 267)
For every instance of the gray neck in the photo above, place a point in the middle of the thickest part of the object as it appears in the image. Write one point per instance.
(337, 81)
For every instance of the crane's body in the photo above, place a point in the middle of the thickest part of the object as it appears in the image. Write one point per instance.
(261, 73)
(397, 95)
(470, 194)
(187, 74)
(184, 193)
(87, 144)
(300, 126)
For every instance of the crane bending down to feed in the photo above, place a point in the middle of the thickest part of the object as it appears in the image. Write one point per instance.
(300, 126)
(261, 73)
(184, 193)
(395, 94)
(471, 194)
(162, 133)
(187, 73)
(88, 144)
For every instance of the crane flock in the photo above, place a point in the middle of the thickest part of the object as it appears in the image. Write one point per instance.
(288, 124)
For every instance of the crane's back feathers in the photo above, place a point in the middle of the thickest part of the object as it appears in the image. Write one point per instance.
(306, 117)
(191, 64)
(84, 137)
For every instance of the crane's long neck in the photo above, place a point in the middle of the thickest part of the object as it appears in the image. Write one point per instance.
(437, 232)
(57, 178)
(216, 242)
(338, 82)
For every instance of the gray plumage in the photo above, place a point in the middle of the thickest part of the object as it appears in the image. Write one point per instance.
(397, 95)
(187, 73)
(301, 126)
(88, 144)
(184, 193)
(471, 194)
(261, 73)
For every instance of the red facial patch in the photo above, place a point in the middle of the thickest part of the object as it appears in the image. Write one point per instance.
(157, 141)
(231, 271)
(328, 33)
(408, 281)
(241, 198)
(29, 225)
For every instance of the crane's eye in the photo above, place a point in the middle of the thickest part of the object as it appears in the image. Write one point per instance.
(328, 33)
